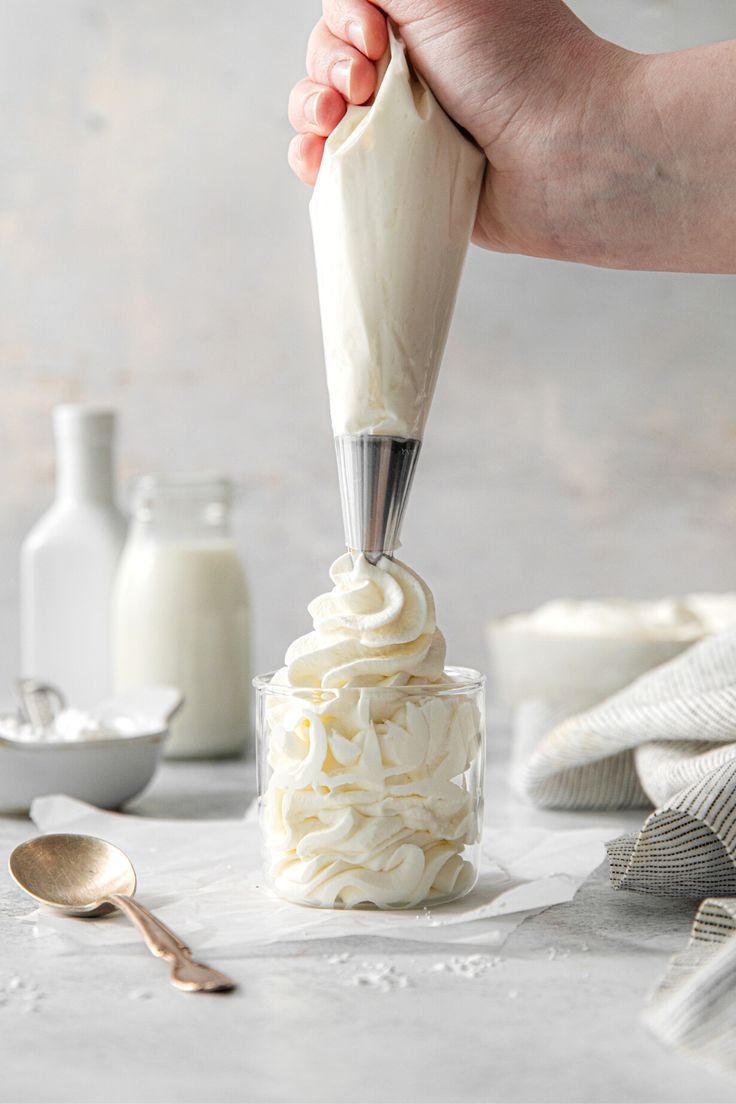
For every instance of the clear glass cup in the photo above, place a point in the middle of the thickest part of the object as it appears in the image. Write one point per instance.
(181, 612)
(371, 797)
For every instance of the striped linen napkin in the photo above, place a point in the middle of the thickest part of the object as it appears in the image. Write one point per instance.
(669, 741)
(694, 1007)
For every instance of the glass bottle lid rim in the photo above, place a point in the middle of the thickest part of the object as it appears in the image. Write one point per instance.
(182, 485)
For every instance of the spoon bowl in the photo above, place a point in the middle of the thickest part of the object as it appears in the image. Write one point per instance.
(73, 873)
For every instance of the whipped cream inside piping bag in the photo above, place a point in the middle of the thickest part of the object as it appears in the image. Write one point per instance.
(392, 213)
(365, 803)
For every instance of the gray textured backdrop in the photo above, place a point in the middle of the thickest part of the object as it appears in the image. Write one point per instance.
(155, 253)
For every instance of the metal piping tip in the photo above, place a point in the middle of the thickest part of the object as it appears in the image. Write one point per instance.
(375, 475)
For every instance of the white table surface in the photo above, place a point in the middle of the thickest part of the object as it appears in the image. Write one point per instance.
(557, 1019)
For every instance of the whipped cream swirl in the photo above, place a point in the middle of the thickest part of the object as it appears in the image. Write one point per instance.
(374, 751)
(377, 623)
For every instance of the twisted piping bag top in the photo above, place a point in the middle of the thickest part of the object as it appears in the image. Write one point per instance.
(392, 214)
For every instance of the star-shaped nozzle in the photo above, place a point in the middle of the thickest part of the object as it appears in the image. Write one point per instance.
(376, 475)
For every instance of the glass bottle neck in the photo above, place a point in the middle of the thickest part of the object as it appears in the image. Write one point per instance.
(84, 472)
(182, 509)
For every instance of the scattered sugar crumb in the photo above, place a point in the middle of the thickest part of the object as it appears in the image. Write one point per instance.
(469, 966)
(20, 994)
(338, 959)
(140, 994)
(380, 976)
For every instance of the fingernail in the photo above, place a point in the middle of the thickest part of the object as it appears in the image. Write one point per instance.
(310, 108)
(341, 76)
(356, 34)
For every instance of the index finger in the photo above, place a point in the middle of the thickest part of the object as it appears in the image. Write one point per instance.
(359, 23)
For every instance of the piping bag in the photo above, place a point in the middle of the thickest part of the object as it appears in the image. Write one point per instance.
(392, 213)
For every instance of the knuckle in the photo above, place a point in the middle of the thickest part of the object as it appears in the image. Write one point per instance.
(315, 40)
(338, 14)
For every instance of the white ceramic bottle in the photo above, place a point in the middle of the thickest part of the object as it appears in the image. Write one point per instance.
(181, 612)
(69, 560)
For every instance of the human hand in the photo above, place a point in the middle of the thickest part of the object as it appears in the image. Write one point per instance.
(519, 75)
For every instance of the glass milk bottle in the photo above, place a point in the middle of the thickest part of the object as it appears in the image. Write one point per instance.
(181, 614)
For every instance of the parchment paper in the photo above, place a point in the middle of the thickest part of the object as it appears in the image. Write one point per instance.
(203, 878)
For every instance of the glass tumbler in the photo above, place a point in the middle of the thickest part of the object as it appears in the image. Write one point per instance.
(371, 797)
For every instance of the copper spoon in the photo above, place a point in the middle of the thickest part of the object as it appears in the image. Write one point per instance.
(86, 876)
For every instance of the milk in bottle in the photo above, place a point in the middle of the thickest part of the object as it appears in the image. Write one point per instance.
(181, 613)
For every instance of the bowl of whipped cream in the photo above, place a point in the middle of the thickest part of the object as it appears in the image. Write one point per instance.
(105, 756)
(571, 654)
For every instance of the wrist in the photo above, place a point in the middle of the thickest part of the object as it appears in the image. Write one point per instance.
(599, 184)
(558, 166)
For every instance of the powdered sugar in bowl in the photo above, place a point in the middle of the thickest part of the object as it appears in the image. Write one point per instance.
(105, 757)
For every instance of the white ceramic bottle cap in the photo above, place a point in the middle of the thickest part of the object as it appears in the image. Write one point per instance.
(93, 424)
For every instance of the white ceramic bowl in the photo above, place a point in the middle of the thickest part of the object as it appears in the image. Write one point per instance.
(570, 673)
(105, 772)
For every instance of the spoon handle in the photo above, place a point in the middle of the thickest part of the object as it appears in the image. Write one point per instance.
(161, 941)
